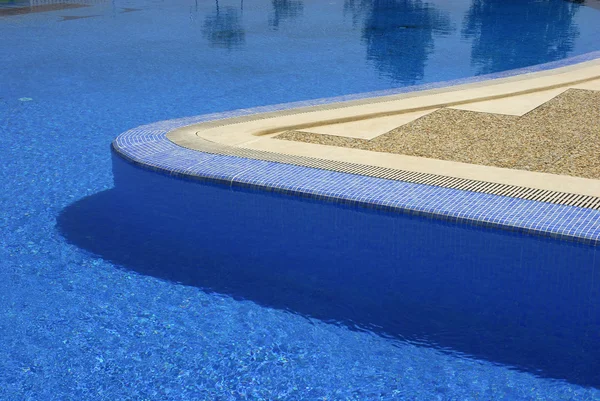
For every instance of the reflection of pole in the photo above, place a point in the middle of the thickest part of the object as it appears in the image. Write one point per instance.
(217, 1)
(242, 5)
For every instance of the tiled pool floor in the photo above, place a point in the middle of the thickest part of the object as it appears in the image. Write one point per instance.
(560, 136)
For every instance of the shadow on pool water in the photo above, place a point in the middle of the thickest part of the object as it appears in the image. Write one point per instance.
(520, 301)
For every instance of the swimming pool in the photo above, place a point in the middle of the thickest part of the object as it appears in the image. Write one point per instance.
(94, 309)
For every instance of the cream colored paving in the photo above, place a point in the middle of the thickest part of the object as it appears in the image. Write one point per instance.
(591, 85)
(369, 128)
(352, 121)
(513, 105)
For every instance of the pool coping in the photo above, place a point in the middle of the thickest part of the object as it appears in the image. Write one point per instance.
(150, 146)
(256, 133)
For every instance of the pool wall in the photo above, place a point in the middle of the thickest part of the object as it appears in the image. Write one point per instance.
(473, 291)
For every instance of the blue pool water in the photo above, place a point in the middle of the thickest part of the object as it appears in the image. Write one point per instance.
(160, 289)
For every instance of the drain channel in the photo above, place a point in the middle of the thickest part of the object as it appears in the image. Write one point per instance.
(540, 195)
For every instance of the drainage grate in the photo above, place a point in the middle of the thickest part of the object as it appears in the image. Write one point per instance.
(540, 195)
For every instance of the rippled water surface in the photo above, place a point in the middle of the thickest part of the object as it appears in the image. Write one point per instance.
(158, 289)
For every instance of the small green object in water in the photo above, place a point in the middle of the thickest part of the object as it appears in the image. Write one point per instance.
(25, 99)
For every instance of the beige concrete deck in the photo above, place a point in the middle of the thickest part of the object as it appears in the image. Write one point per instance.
(561, 136)
(369, 118)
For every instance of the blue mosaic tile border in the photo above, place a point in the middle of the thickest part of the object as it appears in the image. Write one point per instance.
(148, 147)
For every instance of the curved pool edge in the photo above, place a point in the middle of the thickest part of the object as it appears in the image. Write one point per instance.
(538, 68)
(148, 146)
